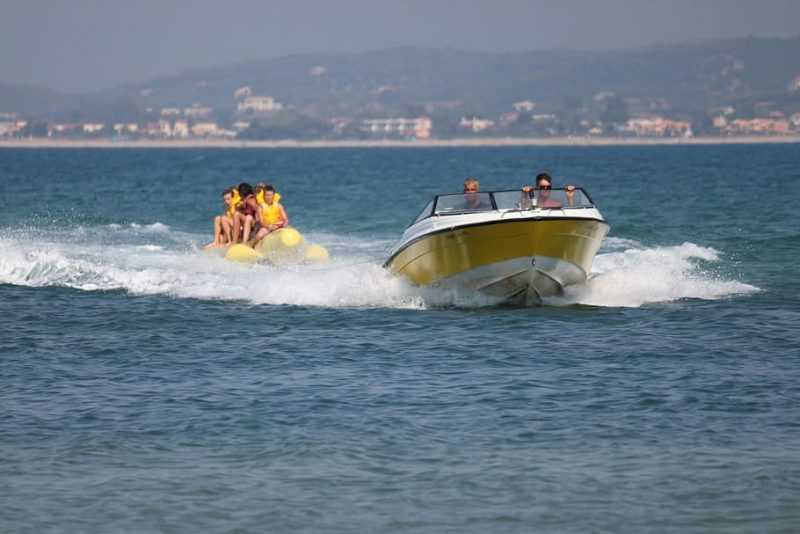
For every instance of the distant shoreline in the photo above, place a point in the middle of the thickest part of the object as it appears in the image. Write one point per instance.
(432, 143)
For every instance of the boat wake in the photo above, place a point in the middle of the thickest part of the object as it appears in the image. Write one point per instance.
(627, 274)
(152, 259)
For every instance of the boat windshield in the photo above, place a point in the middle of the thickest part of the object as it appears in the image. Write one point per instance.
(506, 200)
(425, 213)
(542, 199)
(464, 203)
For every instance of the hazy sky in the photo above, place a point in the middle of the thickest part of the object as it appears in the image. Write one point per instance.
(79, 45)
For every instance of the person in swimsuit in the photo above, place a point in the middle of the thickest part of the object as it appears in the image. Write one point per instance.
(273, 215)
(247, 216)
(544, 183)
(223, 224)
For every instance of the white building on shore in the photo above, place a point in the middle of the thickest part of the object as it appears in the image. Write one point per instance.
(524, 106)
(12, 127)
(121, 128)
(259, 104)
(93, 127)
(419, 128)
(180, 129)
(197, 112)
(475, 124)
(242, 92)
(659, 127)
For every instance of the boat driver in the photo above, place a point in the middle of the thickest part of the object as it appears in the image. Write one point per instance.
(472, 199)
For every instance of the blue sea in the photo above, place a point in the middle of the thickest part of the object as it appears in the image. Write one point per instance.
(146, 386)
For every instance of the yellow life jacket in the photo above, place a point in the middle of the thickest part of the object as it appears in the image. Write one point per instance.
(271, 214)
(262, 202)
(235, 200)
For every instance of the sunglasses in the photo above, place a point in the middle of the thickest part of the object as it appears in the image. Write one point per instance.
(545, 187)
(470, 190)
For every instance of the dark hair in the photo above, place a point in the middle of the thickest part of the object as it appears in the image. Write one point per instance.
(269, 187)
(245, 189)
(543, 176)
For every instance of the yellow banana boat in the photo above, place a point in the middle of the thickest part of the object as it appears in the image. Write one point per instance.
(281, 247)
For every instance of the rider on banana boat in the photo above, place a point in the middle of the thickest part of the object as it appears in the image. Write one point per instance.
(273, 215)
(223, 224)
(247, 215)
(260, 189)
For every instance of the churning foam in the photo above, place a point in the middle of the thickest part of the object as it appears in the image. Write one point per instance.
(161, 268)
(154, 227)
(151, 259)
(630, 275)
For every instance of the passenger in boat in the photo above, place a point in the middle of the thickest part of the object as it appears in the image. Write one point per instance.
(544, 183)
(273, 216)
(472, 200)
(223, 224)
(246, 219)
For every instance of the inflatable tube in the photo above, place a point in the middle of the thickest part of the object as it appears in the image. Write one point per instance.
(242, 254)
(217, 251)
(289, 237)
(281, 247)
(280, 240)
(316, 254)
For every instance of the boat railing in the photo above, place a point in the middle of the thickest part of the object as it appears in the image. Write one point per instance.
(510, 200)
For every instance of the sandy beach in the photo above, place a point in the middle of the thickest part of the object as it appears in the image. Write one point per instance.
(432, 143)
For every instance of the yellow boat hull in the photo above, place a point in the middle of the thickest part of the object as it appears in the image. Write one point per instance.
(524, 258)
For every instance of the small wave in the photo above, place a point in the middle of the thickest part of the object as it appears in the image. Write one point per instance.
(154, 227)
(612, 244)
(636, 276)
(156, 233)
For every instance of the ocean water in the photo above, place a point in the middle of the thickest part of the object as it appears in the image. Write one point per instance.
(148, 387)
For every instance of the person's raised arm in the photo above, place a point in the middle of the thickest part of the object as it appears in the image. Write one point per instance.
(525, 198)
(570, 192)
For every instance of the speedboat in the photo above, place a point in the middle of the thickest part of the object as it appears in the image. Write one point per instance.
(513, 246)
